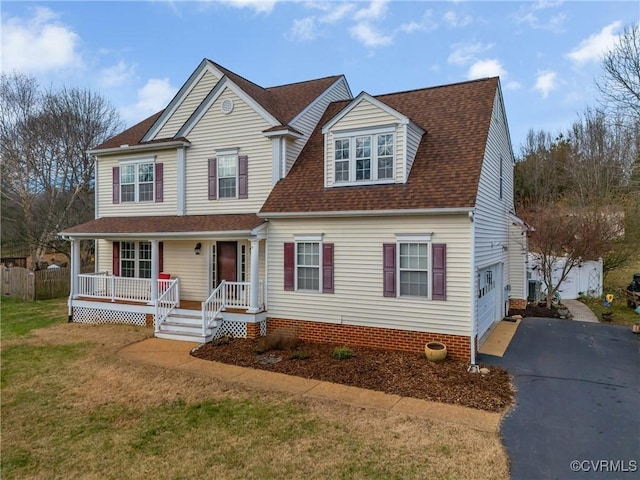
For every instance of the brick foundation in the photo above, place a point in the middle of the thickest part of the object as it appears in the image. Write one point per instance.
(253, 330)
(517, 303)
(356, 335)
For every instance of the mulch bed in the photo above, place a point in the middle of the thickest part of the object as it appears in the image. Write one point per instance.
(401, 373)
(539, 310)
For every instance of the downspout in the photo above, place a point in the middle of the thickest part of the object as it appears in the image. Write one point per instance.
(473, 368)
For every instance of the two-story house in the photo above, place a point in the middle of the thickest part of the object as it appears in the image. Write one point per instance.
(384, 221)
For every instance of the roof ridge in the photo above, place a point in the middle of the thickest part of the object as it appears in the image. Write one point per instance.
(226, 71)
(305, 81)
(434, 87)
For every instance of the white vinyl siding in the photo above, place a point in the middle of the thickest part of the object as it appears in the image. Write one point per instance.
(240, 129)
(104, 187)
(492, 213)
(517, 255)
(363, 116)
(358, 273)
(188, 106)
(306, 122)
(413, 141)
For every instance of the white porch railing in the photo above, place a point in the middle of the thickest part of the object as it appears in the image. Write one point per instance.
(168, 299)
(212, 307)
(114, 288)
(238, 294)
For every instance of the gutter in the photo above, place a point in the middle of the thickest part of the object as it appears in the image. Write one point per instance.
(135, 148)
(363, 213)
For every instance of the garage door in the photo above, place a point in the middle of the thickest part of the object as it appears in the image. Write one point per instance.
(489, 293)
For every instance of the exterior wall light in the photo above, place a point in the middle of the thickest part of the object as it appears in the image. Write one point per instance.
(197, 249)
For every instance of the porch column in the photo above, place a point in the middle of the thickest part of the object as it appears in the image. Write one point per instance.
(255, 276)
(75, 267)
(155, 270)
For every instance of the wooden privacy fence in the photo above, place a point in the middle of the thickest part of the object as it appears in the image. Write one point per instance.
(40, 285)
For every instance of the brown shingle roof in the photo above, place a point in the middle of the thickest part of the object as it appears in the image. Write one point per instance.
(446, 169)
(166, 224)
(132, 135)
(283, 102)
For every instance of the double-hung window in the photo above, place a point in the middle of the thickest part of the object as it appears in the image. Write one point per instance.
(227, 176)
(135, 259)
(364, 158)
(137, 181)
(308, 266)
(413, 269)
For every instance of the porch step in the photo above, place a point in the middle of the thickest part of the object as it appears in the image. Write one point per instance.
(185, 325)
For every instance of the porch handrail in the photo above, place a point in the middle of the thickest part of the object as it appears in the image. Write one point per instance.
(168, 298)
(238, 294)
(213, 305)
(103, 285)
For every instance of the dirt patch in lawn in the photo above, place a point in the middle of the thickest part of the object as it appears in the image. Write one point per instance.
(400, 373)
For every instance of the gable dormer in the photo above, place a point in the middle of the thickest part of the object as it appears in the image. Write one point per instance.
(369, 143)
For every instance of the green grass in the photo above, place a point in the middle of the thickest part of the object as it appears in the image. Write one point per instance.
(20, 317)
(78, 410)
(615, 283)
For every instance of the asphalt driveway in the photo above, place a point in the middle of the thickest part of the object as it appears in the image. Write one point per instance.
(577, 412)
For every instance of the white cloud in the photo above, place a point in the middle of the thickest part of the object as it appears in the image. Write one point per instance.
(116, 75)
(260, 6)
(531, 14)
(456, 20)
(370, 36)
(303, 29)
(593, 47)
(464, 53)
(152, 97)
(39, 44)
(486, 68)
(513, 85)
(546, 81)
(426, 23)
(376, 10)
(336, 12)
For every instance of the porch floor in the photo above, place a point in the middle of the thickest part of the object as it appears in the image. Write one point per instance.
(184, 304)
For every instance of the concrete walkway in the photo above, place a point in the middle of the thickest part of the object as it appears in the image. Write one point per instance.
(580, 312)
(175, 355)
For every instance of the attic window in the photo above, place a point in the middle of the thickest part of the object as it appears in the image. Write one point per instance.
(364, 158)
(227, 106)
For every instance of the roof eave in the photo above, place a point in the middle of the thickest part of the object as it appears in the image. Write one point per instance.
(139, 147)
(377, 213)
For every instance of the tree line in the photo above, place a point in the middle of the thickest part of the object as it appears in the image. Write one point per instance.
(579, 190)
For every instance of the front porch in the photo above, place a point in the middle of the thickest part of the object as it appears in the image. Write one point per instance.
(234, 308)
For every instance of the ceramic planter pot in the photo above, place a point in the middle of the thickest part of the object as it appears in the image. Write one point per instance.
(435, 351)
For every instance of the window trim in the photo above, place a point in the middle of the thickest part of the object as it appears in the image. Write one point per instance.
(307, 238)
(137, 259)
(136, 184)
(421, 239)
(235, 177)
(352, 135)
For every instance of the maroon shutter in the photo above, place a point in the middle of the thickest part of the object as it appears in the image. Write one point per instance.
(116, 184)
(327, 268)
(160, 256)
(116, 259)
(389, 269)
(243, 177)
(159, 182)
(289, 266)
(213, 178)
(439, 271)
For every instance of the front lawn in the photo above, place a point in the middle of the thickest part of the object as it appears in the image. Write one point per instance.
(20, 317)
(73, 408)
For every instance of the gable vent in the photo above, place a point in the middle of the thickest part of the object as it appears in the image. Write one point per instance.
(227, 106)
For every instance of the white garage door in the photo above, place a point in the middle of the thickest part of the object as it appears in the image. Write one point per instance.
(489, 297)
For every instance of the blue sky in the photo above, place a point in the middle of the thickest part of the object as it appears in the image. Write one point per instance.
(138, 54)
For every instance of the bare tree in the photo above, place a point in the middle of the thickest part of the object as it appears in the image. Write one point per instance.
(561, 238)
(47, 176)
(620, 84)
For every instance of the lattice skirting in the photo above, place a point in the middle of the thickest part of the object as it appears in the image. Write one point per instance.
(232, 329)
(98, 316)
(263, 328)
